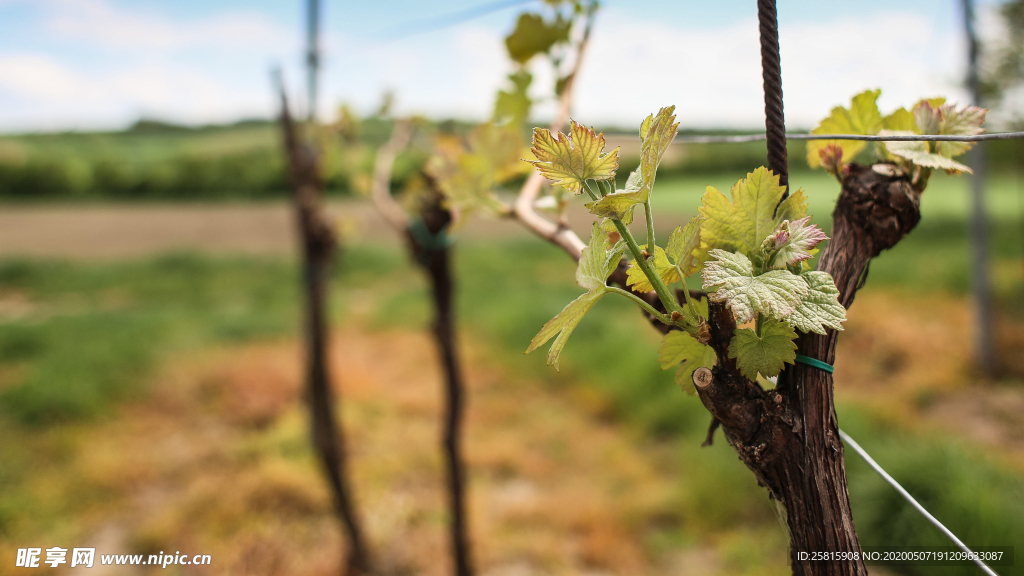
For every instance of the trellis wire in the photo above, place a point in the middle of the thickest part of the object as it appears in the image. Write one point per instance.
(446, 20)
(741, 138)
(917, 505)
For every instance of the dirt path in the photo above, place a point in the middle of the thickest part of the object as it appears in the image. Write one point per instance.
(103, 231)
(108, 230)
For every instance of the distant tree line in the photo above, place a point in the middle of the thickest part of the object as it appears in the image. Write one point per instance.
(162, 161)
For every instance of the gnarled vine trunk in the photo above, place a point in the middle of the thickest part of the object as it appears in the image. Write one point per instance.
(789, 436)
(318, 245)
(429, 246)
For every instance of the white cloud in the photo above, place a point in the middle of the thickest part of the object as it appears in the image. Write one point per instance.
(100, 23)
(35, 76)
(39, 92)
(453, 74)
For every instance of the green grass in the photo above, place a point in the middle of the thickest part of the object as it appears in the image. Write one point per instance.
(95, 331)
(947, 197)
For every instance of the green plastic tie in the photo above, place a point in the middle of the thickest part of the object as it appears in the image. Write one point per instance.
(427, 240)
(801, 359)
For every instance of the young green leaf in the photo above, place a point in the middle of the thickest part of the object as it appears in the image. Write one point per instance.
(656, 134)
(917, 153)
(792, 242)
(636, 278)
(900, 119)
(467, 175)
(767, 353)
(775, 293)
(532, 36)
(563, 324)
(597, 262)
(684, 244)
(512, 107)
(570, 160)
(679, 348)
(862, 117)
(821, 307)
(927, 115)
(964, 122)
(936, 117)
(620, 204)
(743, 224)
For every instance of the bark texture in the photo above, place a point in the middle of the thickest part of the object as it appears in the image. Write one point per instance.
(319, 245)
(789, 436)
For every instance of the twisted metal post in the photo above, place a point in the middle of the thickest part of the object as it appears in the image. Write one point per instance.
(771, 73)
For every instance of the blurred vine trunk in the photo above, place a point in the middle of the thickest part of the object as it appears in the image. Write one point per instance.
(789, 436)
(431, 249)
(318, 246)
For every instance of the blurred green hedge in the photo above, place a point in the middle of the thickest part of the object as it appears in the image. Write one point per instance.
(153, 160)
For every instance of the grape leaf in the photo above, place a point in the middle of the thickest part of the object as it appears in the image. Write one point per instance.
(743, 224)
(467, 175)
(513, 107)
(964, 122)
(862, 117)
(597, 262)
(532, 36)
(563, 324)
(934, 116)
(620, 204)
(767, 353)
(927, 115)
(821, 307)
(570, 160)
(794, 240)
(900, 119)
(775, 293)
(679, 348)
(683, 245)
(656, 134)
(917, 153)
(636, 278)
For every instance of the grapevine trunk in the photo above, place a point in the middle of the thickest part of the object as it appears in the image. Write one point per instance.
(789, 436)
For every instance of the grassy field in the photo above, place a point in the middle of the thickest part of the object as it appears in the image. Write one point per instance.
(154, 402)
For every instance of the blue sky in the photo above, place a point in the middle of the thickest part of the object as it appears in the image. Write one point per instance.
(81, 64)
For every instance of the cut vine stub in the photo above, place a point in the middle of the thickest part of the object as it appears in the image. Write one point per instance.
(878, 206)
(881, 201)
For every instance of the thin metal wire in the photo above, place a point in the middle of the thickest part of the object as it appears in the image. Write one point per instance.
(738, 139)
(446, 20)
(902, 492)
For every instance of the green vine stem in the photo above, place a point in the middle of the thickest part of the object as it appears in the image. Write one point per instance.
(671, 305)
(647, 307)
(651, 246)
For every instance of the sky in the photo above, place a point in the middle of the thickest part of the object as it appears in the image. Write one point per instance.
(102, 64)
